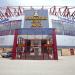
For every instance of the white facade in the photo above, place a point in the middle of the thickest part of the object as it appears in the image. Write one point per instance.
(6, 40)
(62, 40)
(65, 40)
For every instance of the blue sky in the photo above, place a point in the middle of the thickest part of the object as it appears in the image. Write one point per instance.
(37, 2)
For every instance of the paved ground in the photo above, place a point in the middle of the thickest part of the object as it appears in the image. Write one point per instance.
(64, 66)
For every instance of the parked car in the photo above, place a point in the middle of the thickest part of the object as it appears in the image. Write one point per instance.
(6, 54)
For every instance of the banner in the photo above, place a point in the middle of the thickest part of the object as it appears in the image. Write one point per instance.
(29, 31)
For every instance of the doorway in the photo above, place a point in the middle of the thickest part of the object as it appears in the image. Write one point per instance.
(36, 47)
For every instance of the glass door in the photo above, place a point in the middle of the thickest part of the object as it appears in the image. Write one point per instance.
(36, 47)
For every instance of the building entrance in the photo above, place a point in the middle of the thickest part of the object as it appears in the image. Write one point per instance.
(30, 48)
(36, 47)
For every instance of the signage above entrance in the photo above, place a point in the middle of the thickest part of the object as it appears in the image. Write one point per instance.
(36, 19)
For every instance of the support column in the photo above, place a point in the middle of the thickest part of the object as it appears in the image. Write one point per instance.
(55, 53)
(14, 45)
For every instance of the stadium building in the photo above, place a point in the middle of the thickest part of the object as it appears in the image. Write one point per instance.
(30, 36)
